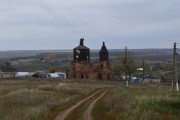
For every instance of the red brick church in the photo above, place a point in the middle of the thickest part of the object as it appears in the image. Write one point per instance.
(82, 68)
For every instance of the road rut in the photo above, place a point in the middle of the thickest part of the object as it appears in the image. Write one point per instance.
(64, 114)
(87, 114)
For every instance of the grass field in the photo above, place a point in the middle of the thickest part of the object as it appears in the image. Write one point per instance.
(36, 99)
(139, 102)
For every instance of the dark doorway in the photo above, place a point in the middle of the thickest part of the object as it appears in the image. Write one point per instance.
(82, 76)
(108, 77)
(100, 76)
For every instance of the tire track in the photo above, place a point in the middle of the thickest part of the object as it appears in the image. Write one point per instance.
(64, 114)
(87, 114)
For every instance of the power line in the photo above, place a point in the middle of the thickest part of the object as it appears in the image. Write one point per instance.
(80, 18)
(60, 18)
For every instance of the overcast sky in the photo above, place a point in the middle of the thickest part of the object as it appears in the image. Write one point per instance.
(59, 24)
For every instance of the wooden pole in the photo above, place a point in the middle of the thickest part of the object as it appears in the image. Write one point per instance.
(176, 77)
(175, 70)
(173, 67)
(143, 69)
(126, 66)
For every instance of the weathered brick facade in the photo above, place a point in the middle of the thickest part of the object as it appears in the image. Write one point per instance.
(82, 68)
(104, 71)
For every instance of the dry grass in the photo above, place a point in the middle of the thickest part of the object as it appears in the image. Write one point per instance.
(139, 102)
(33, 99)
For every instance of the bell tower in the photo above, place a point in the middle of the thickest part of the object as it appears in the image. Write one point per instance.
(104, 65)
(103, 54)
(81, 53)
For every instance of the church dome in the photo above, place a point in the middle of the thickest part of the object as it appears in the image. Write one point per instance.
(81, 45)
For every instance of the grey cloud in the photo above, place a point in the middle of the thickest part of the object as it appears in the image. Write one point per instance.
(120, 21)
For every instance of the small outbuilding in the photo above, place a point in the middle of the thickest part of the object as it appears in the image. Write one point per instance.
(54, 75)
(135, 79)
(22, 74)
(57, 75)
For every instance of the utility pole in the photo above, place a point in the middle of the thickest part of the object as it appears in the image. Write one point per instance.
(126, 66)
(143, 69)
(175, 70)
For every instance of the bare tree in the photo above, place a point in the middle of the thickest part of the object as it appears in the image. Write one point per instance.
(129, 65)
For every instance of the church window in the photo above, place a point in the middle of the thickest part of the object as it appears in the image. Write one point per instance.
(77, 51)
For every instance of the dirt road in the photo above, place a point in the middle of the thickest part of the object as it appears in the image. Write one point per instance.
(87, 114)
(64, 114)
